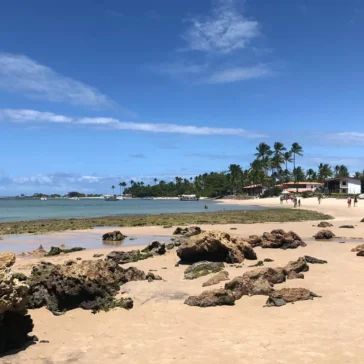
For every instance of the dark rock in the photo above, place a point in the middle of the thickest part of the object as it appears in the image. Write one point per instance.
(362, 220)
(204, 268)
(258, 264)
(277, 239)
(20, 276)
(255, 240)
(295, 275)
(78, 258)
(170, 246)
(268, 260)
(132, 256)
(167, 226)
(358, 248)
(132, 274)
(313, 260)
(176, 265)
(297, 266)
(218, 297)
(98, 255)
(360, 254)
(215, 246)
(245, 286)
(177, 242)
(155, 248)
(324, 234)
(56, 251)
(188, 231)
(289, 295)
(342, 242)
(233, 228)
(113, 236)
(153, 277)
(324, 224)
(347, 227)
(272, 275)
(44, 342)
(217, 278)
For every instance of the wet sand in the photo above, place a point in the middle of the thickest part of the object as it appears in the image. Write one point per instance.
(161, 329)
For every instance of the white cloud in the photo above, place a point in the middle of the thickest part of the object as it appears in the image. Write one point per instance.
(21, 74)
(226, 30)
(26, 116)
(239, 74)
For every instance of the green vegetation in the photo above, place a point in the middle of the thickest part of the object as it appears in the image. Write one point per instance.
(226, 217)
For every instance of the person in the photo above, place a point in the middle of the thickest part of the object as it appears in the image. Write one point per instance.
(355, 201)
(281, 199)
(206, 207)
(349, 202)
(299, 203)
(295, 201)
(286, 198)
(319, 199)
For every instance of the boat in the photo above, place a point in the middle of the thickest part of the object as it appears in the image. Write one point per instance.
(43, 198)
(73, 198)
(147, 198)
(111, 198)
(189, 198)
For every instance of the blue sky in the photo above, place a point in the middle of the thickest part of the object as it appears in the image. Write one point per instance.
(93, 93)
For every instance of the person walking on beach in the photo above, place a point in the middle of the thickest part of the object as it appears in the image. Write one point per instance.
(319, 199)
(349, 202)
(355, 201)
(281, 199)
(295, 201)
(299, 203)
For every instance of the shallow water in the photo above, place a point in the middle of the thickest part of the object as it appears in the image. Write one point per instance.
(21, 210)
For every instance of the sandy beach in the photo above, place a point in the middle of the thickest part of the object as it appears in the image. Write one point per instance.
(162, 329)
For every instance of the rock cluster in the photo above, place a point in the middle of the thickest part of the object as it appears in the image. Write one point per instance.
(217, 278)
(277, 239)
(188, 231)
(325, 224)
(15, 323)
(288, 295)
(359, 250)
(347, 227)
(215, 246)
(112, 237)
(324, 234)
(57, 251)
(313, 260)
(217, 297)
(203, 268)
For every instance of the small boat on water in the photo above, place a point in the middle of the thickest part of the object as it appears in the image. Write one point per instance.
(73, 198)
(189, 198)
(43, 198)
(147, 198)
(113, 198)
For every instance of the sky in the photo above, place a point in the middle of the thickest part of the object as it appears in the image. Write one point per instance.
(95, 93)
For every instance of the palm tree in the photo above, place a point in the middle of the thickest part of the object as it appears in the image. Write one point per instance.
(337, 170)
(263, 151)
(310, 172)
(287, 156)
(296, 149)
(120, 185)
(155, 180)
(279, 148)
(113, 188)
(325, 171)
(123, 184)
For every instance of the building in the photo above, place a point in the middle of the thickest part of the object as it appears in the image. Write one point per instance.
(300, 186)
(255, 190)
(343, 185)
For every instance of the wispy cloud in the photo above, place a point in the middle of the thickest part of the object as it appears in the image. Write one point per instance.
(239, 74)
(20, 74)
(26, 116)
(226, 30)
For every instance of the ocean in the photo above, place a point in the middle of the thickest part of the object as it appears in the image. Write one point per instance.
(22, 210)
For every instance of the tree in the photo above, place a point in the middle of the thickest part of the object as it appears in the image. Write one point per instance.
(123, 184)
(296, 149)
(309, 174)
(235, 176)
(343, 171)
(324, 172)
(113, 188)
(337, 169)
(155, 180)
(120, 185)
(263, 151)
(300, 174)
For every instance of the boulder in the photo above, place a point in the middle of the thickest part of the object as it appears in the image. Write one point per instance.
(295, 275)
(255, 240)
(272, 275)
(362, 220)
(325, 224)
(56, 251)
(277, 239)
(7, 259)
(360, 254)
(259, 263)
(268, 260)
(217, 278)
(98, 255)
(215, 246)
(297, 266)
(132, 256)
(203, 268)
(324, 234)
(245, 286)
(170, 246)
(218, 297)
(347, 227)
(289, 295)
(155, 248)
(313, 260)
(358, 248)
(113, 236)
(188, 231)
(150, 277)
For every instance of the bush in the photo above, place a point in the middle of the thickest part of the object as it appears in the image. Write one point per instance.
(272, 192)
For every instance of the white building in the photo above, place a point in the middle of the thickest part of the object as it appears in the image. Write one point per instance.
(343, 185)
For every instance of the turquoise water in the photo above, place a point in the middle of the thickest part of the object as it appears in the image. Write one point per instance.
(21, 210)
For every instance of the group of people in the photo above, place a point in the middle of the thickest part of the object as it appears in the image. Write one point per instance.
(350, 200)
(294, 199)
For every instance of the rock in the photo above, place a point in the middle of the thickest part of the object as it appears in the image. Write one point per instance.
(98, 255)
(324, 224)
(91, 284)
(255, 240)
(177, 242)
(113, 236)
(313, 260)
(218, 297)
(358, 248)
(44, 342)
(56, 251)
(78, 258)
(277, 239)
(7, 259)
(176, 265)
(188, 232)
(233, 228)
(268, 260)
(295, 275)
(217, 278)
(360, 254)
(342, 242)
(153, 277)
(155, 248)
(272, 275)
(167, 226)
(362, 220)
(132, 256)
(297, 266)
(289, 295)
(133, 274)
(203, 268)
(170, 246)
(347, 227)
(215, 246)
(39, 252)
(245, 286)
(258, 264)
(324, 234)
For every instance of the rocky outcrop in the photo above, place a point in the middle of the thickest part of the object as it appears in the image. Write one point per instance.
(347, 227)
(259, 263)
(297, 266)
(57, 251)
(289, 295)
(272, 275)
(203, 268)
(121, 257)
(325, 224)
(91, 284)
(313, 260)
(155, 248)
(215, 246)
(245, 286)
(217, 278)
(360, 254)
(358, 248)
(362, 220)
(295, 275)
(113, 237)
(218, 297)
(15, 323)
(188, 231)
(324, 234)
(170, 246)
(277, 239)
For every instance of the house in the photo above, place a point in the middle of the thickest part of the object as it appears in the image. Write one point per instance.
(343, 185)
(255, 190)
(300, 186)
